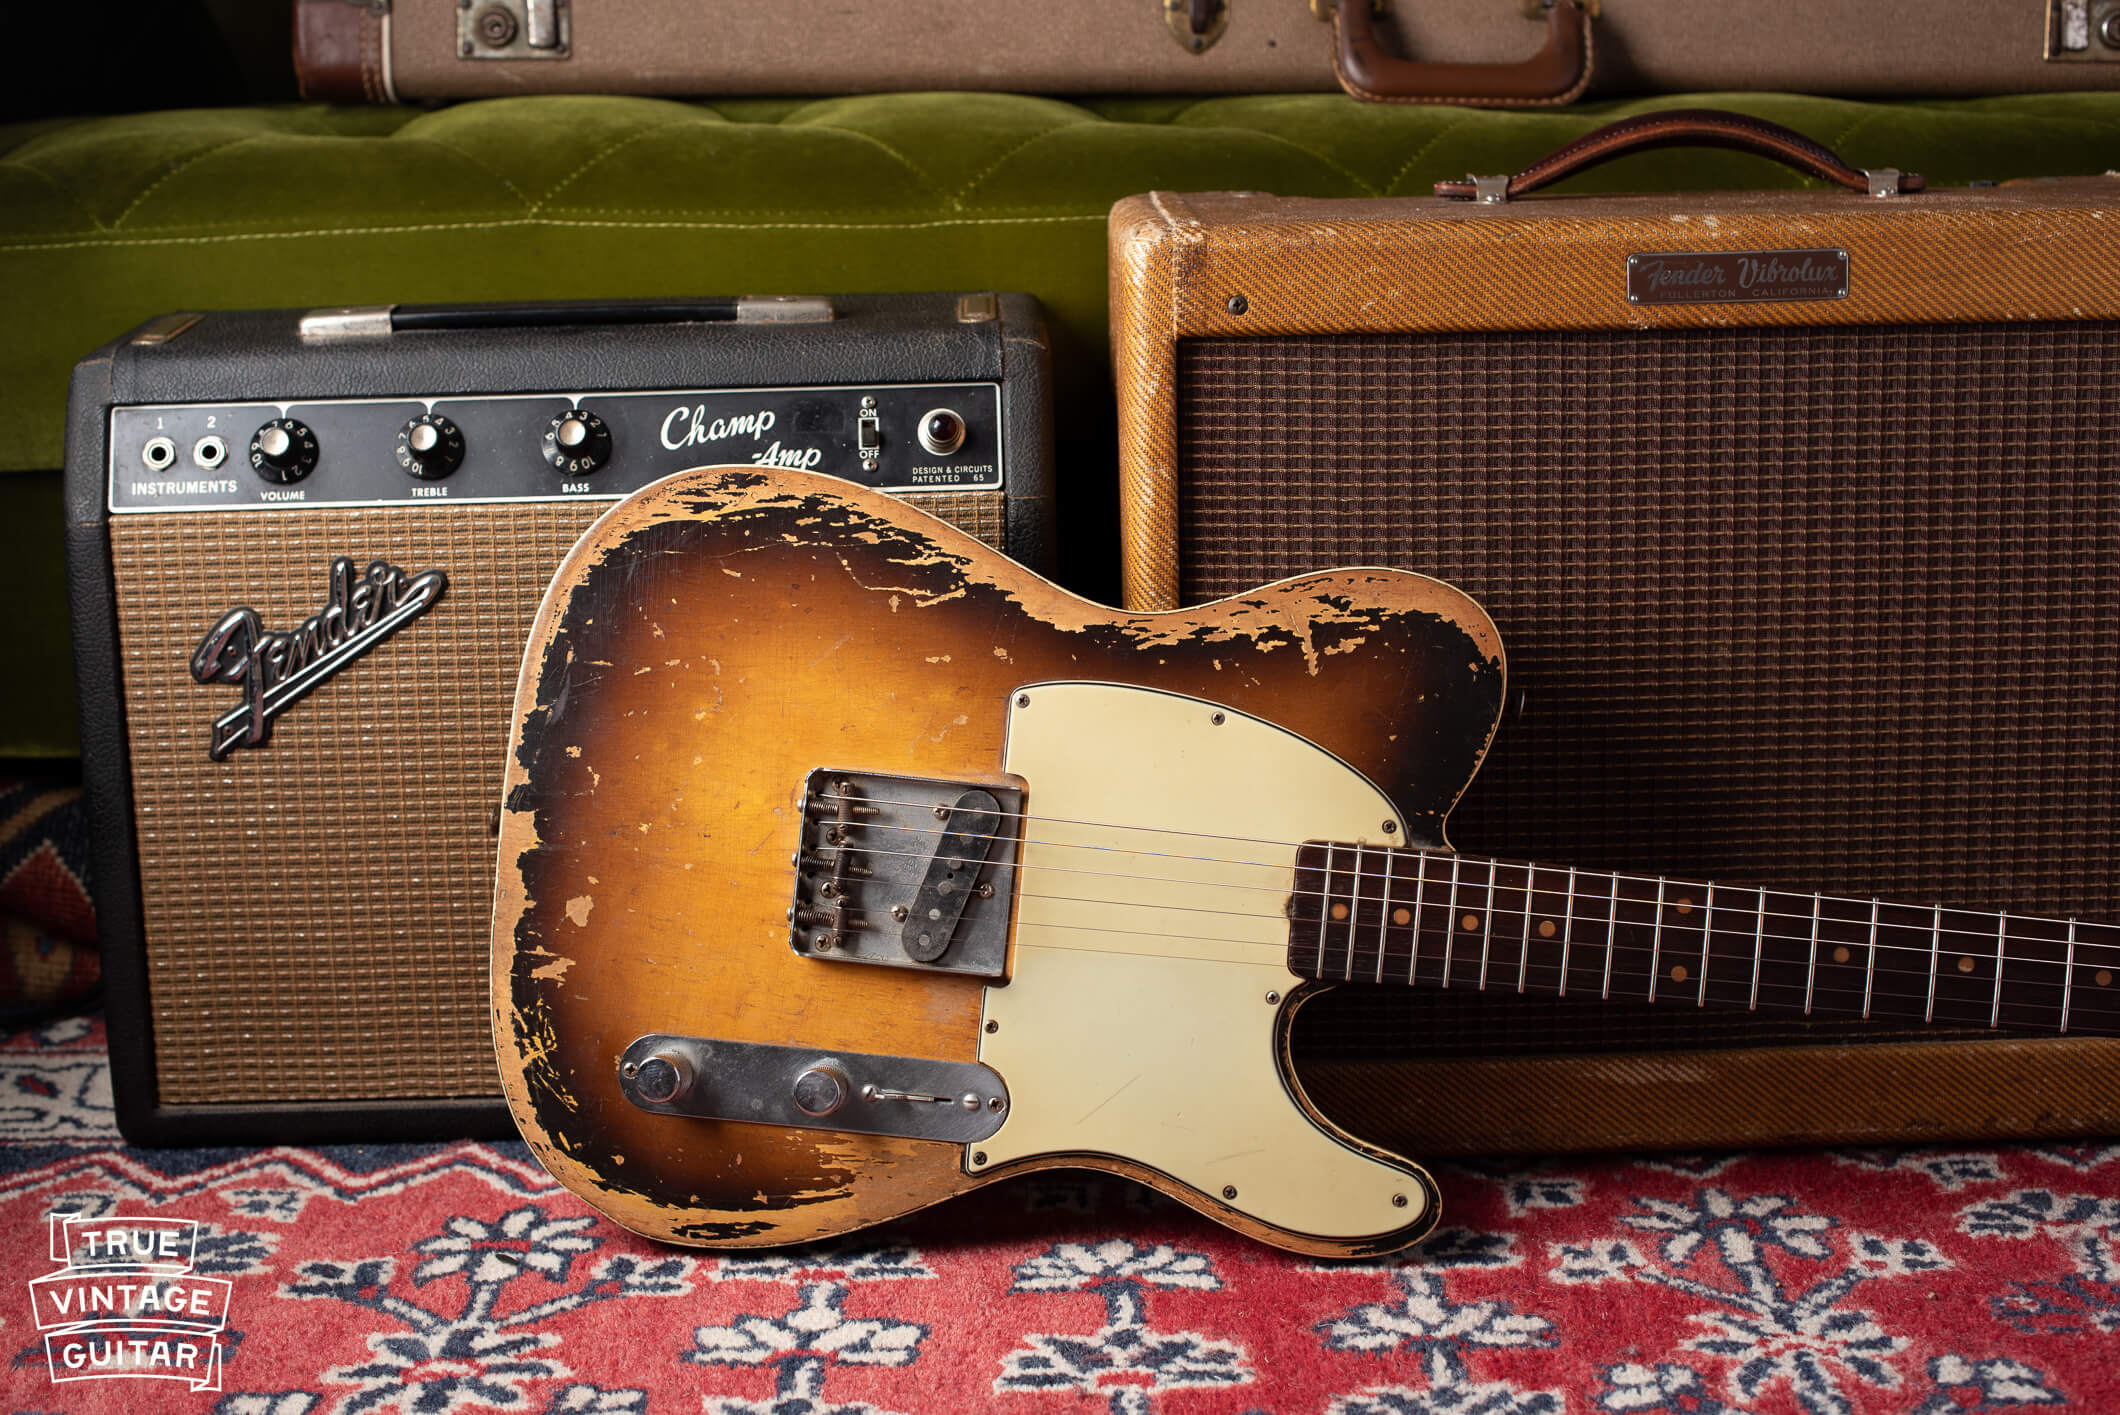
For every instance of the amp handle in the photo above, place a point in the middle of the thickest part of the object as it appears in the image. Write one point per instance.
(1688, 127)
(1556, 75)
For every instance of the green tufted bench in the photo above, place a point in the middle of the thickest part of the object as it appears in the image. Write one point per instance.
(107, 221)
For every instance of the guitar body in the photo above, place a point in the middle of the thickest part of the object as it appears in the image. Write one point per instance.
(718, 638)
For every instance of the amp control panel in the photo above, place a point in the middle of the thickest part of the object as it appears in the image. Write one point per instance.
(544, 447)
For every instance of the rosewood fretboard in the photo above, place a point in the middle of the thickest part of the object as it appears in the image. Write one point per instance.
(1377, 914)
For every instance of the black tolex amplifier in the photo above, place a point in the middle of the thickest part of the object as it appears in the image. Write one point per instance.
(304, 551)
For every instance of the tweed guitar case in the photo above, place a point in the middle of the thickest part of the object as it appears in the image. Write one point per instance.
(1800, 516)
(1500, 53)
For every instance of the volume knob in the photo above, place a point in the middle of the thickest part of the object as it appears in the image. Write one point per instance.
(821, 1089)
(577, 442)
(283, 450)
(663, 1078)
(430, 447)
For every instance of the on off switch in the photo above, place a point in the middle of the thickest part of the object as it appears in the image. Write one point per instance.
(430, 447)
(577, 442)
(283, 450)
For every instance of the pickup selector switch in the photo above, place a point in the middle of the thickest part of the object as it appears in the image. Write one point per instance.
(283, 450)
(941, 432)
(577, 442)
(430, 447)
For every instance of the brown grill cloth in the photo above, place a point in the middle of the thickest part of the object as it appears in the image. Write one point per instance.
(1827, 608)
(316, 911)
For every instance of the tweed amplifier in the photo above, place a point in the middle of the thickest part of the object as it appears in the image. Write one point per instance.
(304, 551)
(1800, 516)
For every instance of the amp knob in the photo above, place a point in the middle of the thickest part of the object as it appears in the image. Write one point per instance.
(430, 447)
(577, 442)
(283, 450)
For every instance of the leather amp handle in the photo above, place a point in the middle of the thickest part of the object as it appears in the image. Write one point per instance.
(1688, 127)
(1557, 74)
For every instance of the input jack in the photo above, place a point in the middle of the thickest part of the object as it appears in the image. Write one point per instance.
(159, 454)
(209, 452)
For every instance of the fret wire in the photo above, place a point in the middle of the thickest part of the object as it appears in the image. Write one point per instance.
(1811, 978)
(1450, 921)
(1935, 954)
(2002, 926)
(1354, 913)
(1420, 897)
(1759, 943)
(1611, 936)
(1567, 930)
(1656, 942)
(1487, 927)
(1523, 948)
(2068, 976)
(1707, 935)
(1869, 967)
(1384, 919)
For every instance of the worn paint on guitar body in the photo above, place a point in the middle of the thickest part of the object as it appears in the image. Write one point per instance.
(715, 638)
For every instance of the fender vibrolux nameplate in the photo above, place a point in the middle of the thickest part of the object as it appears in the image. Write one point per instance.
(1217, 813)
(306, 547)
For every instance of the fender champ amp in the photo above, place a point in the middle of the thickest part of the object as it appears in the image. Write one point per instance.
(1799, 513)
(304, 552)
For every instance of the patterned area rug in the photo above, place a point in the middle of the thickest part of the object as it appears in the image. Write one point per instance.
(440, 1278)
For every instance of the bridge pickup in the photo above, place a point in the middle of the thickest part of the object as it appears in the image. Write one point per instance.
(917, 1098)
(906, 872)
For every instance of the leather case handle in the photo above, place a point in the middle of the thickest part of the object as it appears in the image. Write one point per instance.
(1557, 74)
(1688, 127)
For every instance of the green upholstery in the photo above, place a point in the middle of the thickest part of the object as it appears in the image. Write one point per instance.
(107, 221)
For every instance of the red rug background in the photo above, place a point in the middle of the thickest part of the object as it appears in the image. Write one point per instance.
(438, 1278)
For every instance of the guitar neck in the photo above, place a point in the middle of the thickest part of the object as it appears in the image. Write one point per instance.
(1379, 914)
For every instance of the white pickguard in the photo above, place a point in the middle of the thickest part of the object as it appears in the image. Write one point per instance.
(1150, 958)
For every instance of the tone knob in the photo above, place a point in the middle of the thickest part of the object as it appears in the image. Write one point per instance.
(577, 442)
(941, 432)
(430, 447)
(821, 1090)
(283, 450)
(663, 1078)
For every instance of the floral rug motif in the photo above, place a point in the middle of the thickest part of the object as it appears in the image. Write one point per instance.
(428, 1279)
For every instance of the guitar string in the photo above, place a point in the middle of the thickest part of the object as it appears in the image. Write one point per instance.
(1409, 929)
(1493, 863)
(1684, 995)
(1980, 935)
(1431, 853)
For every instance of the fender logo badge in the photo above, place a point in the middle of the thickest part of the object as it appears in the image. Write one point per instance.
(1735, 277)
(275, 671)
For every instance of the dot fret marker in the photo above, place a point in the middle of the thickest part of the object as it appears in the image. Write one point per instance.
(1965, 965)
(1401, 917)
(1469, 922)
(1678, 972)
(1546, 929)
(1840, 954)
(1339, 911)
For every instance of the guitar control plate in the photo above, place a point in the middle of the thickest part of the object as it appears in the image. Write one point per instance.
(913, 1097)
(906, 872)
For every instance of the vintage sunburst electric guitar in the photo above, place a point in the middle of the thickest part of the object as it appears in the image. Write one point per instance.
(846, 866)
